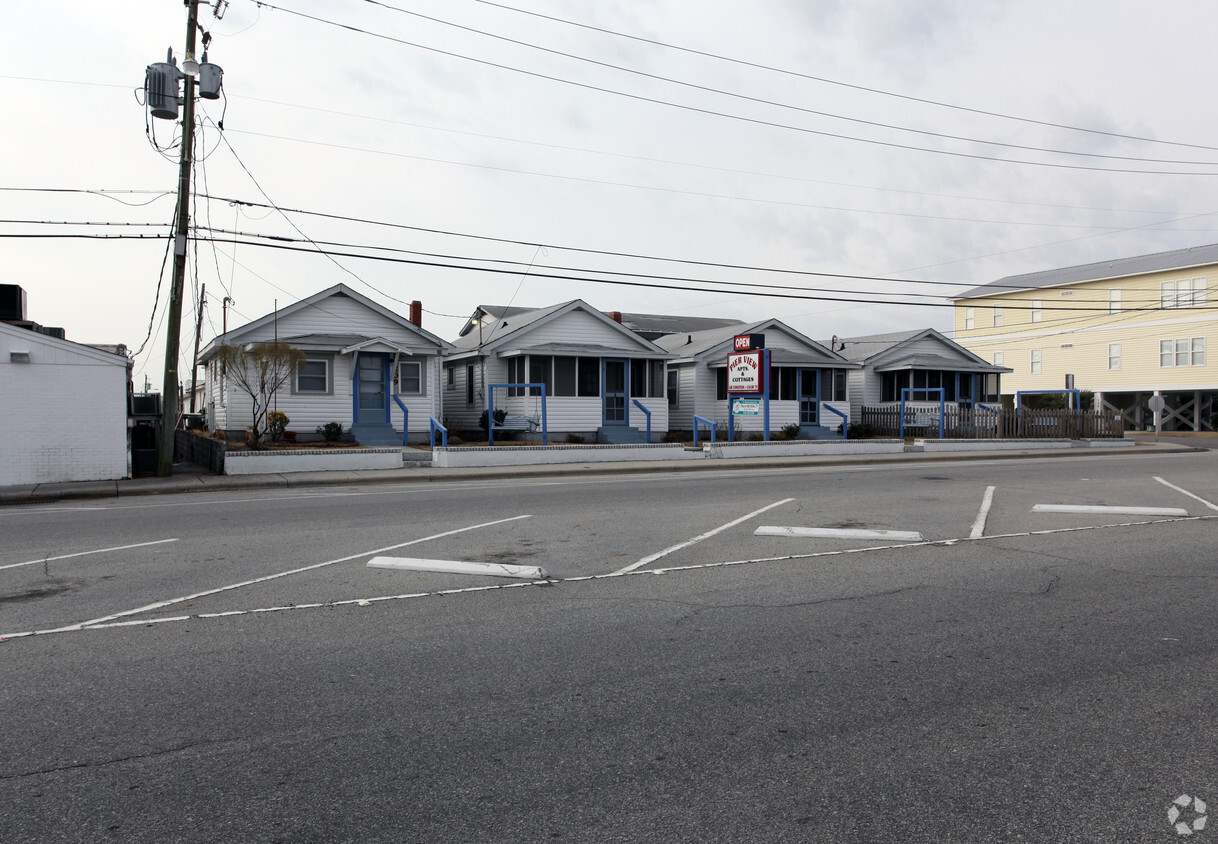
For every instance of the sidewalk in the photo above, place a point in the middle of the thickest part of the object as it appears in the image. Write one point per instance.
(190, 478)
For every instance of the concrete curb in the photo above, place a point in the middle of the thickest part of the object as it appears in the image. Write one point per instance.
(198, 482)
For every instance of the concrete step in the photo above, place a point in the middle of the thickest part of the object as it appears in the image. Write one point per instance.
(373, 434)
(619, 435)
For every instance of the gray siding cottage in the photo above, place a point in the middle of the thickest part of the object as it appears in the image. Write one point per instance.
(595, 370)
(360, 359)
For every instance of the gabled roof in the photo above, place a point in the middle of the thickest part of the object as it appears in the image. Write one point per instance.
(508, 334)
(495, 312)
(886, 352)
(236, 335)
(691, 345)
(655, 326)
(1177, 259)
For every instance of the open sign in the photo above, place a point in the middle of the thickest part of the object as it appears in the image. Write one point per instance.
(748, 342)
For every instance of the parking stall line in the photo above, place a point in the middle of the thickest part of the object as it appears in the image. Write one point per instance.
(653, 557)
(1209, 504)
(381, 599)
(983, 514)
(85, 553)
(162, 604)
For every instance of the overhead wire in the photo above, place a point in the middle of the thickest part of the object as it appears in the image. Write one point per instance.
(763, 101)
(848, 85)
(715, 113)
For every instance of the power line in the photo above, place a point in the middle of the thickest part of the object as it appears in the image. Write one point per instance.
(734, 287)
(851, 86)
(726, 115)
(677, 191)
(762, 101)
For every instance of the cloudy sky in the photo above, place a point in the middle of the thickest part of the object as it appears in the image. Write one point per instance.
(858, 162)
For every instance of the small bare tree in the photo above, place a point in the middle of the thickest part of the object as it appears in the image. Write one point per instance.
(259, 371)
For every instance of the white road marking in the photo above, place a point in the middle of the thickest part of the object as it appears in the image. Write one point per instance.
(458, 567)
(161, 604)
(1115, 510)
(1209, 504)
(653, 557)
(360, 602)
(987, 501)
(86, 553)
(841, 533)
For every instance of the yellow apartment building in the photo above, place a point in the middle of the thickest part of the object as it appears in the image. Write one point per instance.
(1125, 330)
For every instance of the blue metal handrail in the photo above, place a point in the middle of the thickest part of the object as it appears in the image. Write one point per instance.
(434, 424)
(845, 420)
(405, 418)
(705, 422)
(639, 405)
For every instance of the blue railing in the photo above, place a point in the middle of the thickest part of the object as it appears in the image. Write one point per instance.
(639, 405)
(845, 420)
(705, 422)
(405, 418)
(434, 425)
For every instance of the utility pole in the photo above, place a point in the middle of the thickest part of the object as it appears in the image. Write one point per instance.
(194, 367)
(169, 393)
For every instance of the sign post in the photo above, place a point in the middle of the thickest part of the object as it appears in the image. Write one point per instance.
(1156, 403)
(748, 382)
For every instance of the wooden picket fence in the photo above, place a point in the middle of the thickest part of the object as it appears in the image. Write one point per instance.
(999, 424)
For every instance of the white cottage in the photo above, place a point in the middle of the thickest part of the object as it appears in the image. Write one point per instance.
(63, 416)
(922, 359)
(601, 379)
(363, 365)
(808, 382)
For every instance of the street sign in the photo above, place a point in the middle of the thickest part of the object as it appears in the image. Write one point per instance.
(747, 407)
(744, 372)
(1156, 403)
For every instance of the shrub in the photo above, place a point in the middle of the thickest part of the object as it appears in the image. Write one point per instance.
(276, 423)
(862, 431)
(500, 415)
(331, 432)
(677, 437)
(575, 439)
(754, 437)
(787, 432)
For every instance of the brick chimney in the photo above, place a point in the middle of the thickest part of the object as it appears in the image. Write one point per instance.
(616, 316)
(416, 313)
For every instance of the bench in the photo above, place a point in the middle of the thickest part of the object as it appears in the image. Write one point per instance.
(924, 420)
(518, 423)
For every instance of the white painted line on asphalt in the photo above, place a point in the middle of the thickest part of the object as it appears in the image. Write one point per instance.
(364, 602)
(987, 501)
(86, 553)
(841, 533)
(1209, 504)
(458, 567)
(653, 557)
(1115, 510)
(162, 604)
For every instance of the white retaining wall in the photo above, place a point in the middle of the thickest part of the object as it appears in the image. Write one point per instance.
(804, 448)
(310, 460)
(446, 458)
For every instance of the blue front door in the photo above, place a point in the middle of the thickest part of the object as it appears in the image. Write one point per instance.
(371, 403)
(809, 396)
(613, 396)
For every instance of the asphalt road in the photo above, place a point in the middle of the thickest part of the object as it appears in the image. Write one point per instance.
(1017, 675)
